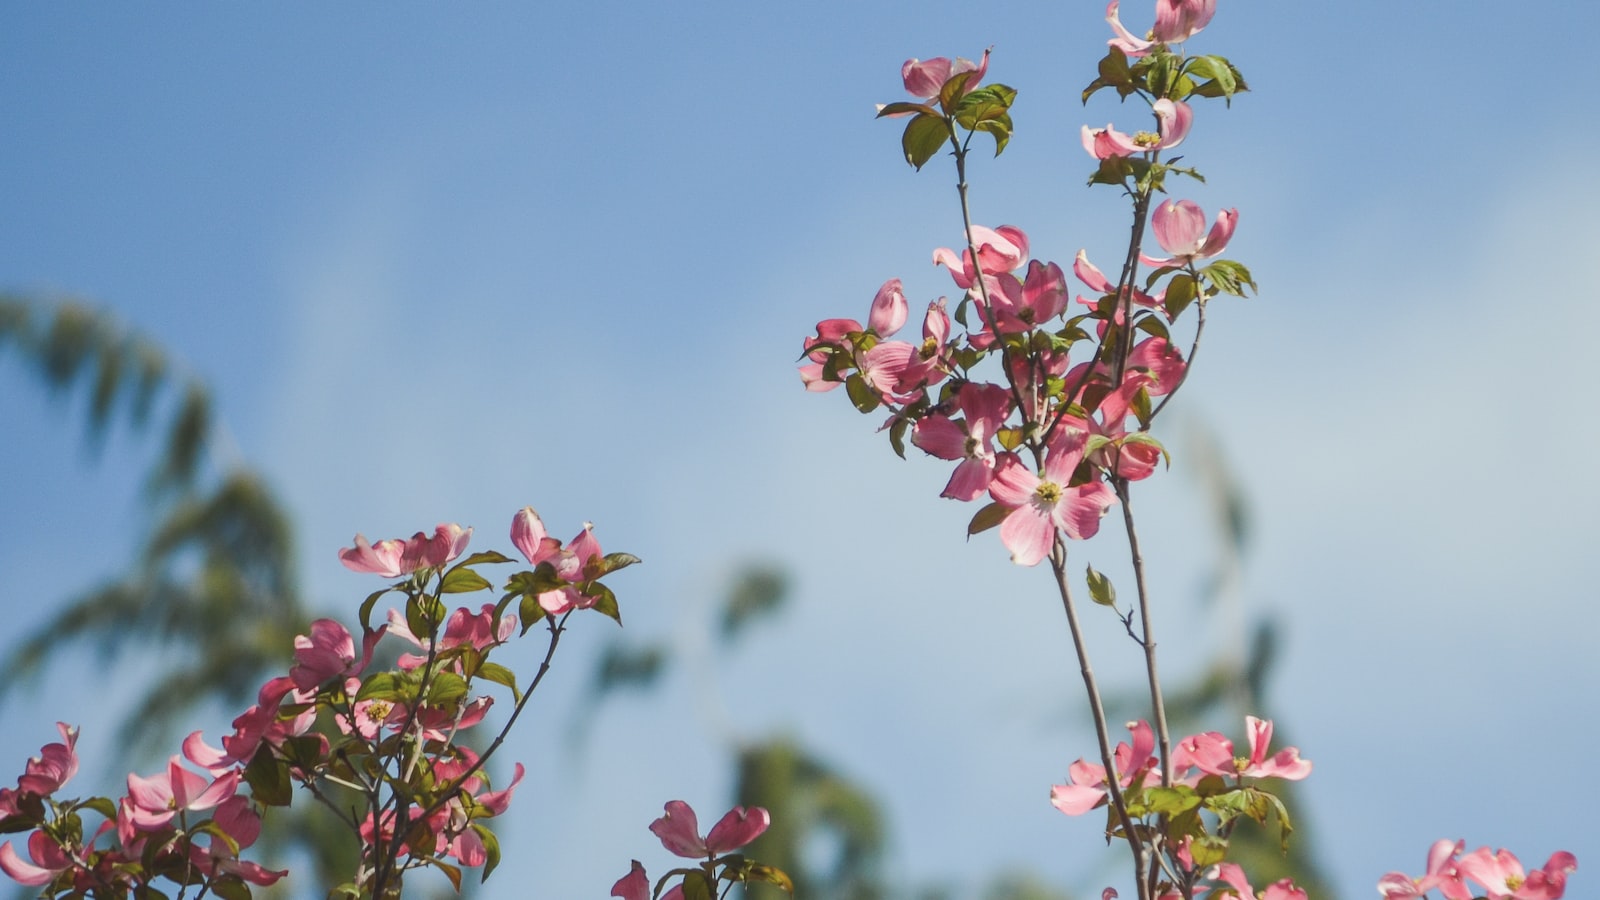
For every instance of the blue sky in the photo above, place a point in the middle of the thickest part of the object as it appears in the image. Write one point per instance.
(441, 263)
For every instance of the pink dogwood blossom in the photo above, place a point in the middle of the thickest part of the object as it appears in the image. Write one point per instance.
(925, 78)
(889, 310)
(1502, 877)
(1213, 753)
(1441, 874)
(395, 557)
(679, 830)
(49, 860)
(1176, 22)
(1043, 503)
(999, 250)
(157, 798)
(1173, 118)
(528, 535)
(1233, 879)
(1180, 228)
(1088, 786)
(984, 408)
(329, 652)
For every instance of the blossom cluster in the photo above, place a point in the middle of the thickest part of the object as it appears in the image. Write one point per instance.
(679, 832)
(1499, 874)
(386, 743)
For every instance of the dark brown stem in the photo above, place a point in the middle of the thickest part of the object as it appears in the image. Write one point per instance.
(1141, 853)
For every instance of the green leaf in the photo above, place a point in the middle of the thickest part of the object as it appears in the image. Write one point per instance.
(1229, 277)
(379, 686)
(1171, 801)
(695, 887)
(1208, 850)
(1152, 325)
(463, 581)
(230, 888)
(904, 108)
(614, 561)
(500, 675)
(772, 875)
(1180, 293)
(366, 607)
(1140, 404)
(1114, 73)
(346, 891)
(268, 778)
(447, 688)
(605, 601)
(861, 394)
(451, 872)
(1000, 130)
(987, 518)
(897, 436)
(491, 847)
(101, 805)
(1118, 169)
(529, 612)
(486, 556)
(1159, 73)
(923, 137)
(988, 102)
(1100, 589)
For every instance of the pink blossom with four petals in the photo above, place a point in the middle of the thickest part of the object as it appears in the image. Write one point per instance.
(984, 408)
(1043, 503)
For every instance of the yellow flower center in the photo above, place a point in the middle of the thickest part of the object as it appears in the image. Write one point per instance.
(1147, 139)
(1048, 492)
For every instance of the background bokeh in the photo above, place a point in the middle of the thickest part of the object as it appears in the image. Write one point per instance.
(438, 263)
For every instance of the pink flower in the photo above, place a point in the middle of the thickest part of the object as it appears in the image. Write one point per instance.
(1173, 118)
(1212, 753)
(1502, 877)
(329, 652)
(1179, 20)
(528, 535)
(679, 832)
(46, 773)
(1088, 787)
(889, 309)
(49, 860)
(1043, 503)
(239, 820)
(394, 557)
(1441, 874)
(925, 78)
(632, 886)
(985, 408)
(1176, 22)
(158, 798)
(1232, 879)
(1022, 305)
(1180, 228)
(999, 250)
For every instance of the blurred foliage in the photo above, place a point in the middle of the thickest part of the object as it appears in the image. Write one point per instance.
(213, 588)
(828, 831)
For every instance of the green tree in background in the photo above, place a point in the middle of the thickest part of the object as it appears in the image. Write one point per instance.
(214, 583)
